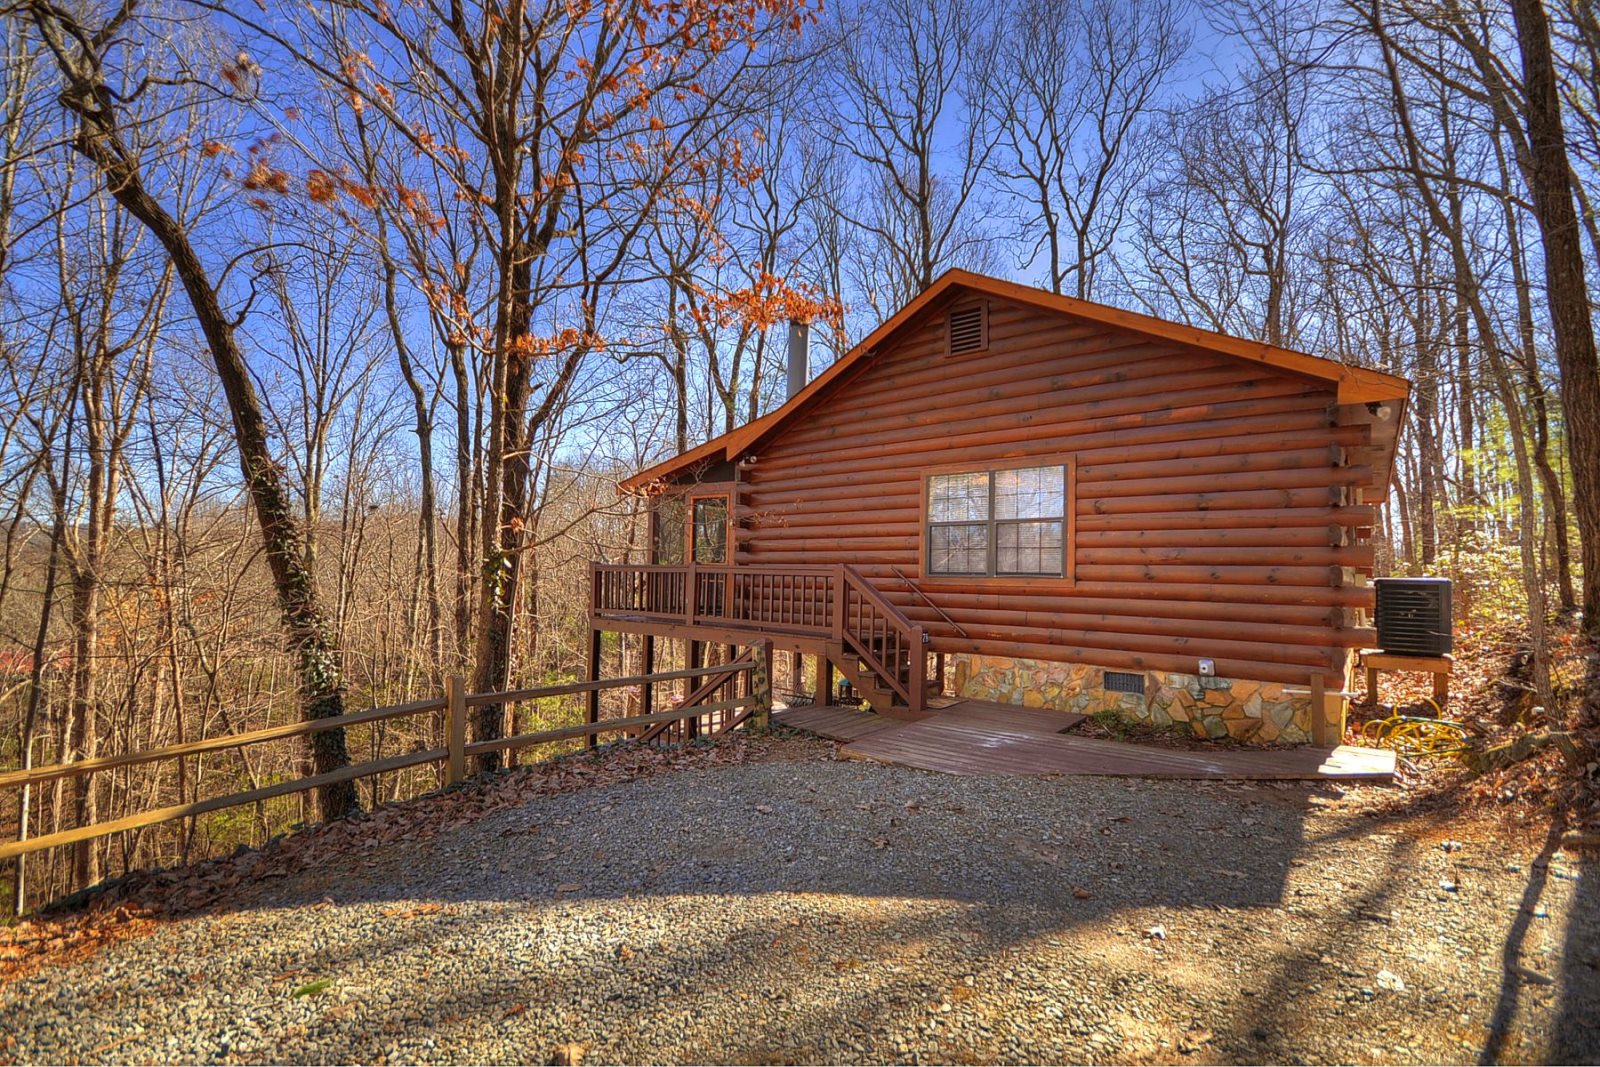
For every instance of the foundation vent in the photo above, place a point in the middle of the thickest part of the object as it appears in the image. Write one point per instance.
(1122, 682)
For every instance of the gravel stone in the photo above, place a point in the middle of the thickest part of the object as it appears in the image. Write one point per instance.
(809, 910)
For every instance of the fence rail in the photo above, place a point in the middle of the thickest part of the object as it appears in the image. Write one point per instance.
(454, 703)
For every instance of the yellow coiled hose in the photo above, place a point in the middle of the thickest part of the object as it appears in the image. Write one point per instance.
(1417, 736)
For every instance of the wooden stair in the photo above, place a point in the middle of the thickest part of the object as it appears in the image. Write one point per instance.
(676, 731)
(874, 687)
(881, 652)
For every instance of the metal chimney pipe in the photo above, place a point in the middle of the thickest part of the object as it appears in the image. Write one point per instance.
(799, 355)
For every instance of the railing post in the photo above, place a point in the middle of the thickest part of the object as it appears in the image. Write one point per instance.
(919, 671)
(455, 698)
(691, 589)
(761, 682)
(839, 597)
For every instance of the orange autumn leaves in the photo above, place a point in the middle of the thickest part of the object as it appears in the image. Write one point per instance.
(622, 126)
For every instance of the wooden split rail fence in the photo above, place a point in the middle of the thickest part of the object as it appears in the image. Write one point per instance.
(757, 705)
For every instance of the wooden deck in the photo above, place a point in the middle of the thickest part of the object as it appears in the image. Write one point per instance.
(980, 737)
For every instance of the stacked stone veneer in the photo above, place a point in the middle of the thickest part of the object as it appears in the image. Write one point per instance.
(1211, 707)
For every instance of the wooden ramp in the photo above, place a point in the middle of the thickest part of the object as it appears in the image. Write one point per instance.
(958, 746)
(836, 724)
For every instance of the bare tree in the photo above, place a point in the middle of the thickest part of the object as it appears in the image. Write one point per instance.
(901, 71)
(1550, 181)
(1070, 90)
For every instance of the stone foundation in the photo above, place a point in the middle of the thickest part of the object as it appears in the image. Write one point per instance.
(1211, 707)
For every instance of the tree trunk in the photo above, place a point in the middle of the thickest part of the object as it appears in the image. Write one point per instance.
(99, 139)
(1550, 182)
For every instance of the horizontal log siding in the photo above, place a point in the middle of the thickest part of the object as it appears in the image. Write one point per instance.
(1212, 502)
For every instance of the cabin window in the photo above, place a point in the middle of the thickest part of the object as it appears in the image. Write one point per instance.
(1003, 523)
(669, 531)
(711, 529)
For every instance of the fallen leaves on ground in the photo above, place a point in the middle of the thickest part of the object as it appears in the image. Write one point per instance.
(1491, 698)
(131, 906)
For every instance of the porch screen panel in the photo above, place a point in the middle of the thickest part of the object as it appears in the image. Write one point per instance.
(669, 519)
(711, 529)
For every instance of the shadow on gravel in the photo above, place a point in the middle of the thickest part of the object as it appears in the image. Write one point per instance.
(592, 905)
(1577, 1036)
(1513, 974)
(750, 962)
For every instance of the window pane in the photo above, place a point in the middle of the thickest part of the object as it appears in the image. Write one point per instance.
(958, 549)
(711, 530)
(1028, 547)
(958, 498)
(1030, 493)
(669, 531)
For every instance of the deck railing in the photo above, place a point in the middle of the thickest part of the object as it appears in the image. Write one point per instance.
(791, 600)
(454, 703)
(833, 602)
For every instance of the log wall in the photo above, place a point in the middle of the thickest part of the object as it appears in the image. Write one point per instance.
(1214, 514)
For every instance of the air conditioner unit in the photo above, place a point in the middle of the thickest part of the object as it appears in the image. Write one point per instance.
(1414, 616)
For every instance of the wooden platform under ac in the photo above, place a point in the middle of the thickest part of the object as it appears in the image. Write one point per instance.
(980, 737)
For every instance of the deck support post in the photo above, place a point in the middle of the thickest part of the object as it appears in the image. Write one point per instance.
(697, 657)
(593, 698)
(761, 682)
(1319, 709)
(824, 681)
(648, 691)
(918, 669)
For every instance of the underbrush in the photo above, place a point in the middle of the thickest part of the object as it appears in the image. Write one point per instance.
(1491, 696)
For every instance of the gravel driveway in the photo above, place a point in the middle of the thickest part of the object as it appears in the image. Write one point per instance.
(808, 910)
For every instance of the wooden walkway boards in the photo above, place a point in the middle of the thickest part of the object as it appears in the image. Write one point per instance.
(975, 748)
(981, 737)
(849, 724)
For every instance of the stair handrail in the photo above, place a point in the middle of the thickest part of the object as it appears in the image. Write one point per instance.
(916, 637)
(917, 589)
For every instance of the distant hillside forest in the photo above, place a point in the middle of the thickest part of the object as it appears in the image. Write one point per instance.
(328, 330)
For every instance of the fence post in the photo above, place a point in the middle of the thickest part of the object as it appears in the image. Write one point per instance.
(455, 698)
(761, 682)
(592, 698)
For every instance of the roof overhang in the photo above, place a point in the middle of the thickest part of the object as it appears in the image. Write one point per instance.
(1356, 385)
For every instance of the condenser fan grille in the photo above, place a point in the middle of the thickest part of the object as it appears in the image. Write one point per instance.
(1414, 616)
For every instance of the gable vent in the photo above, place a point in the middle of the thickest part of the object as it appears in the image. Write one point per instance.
(968, 329)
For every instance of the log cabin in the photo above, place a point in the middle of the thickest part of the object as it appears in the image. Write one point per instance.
(1037, 500)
